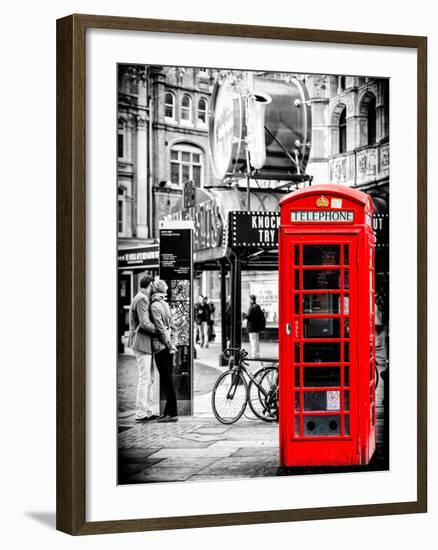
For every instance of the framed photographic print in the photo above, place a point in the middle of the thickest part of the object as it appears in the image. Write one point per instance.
(241, 288)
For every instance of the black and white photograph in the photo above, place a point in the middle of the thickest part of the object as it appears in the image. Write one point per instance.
(252, 273)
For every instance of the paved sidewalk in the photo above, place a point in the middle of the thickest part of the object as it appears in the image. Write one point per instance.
(196, 449)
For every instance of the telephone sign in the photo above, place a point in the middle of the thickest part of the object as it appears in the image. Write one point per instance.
(321, 216)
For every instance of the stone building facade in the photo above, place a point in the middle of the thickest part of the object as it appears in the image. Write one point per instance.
(162, 142)
(350, 135)
(180, 104)
(132, 156)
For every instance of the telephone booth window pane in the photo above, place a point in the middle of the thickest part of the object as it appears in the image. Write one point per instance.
(321, 425)
(297, 377)
(322, 328)
(321, 303)
(321, 279)
(346, 254)
(346, 279)
(297, 353)
(346, 328)
(315, 401)
(347, 424)
(296, 255)
(322, 353)
(346, 401)
(346, 352)
(346, 376)
(297, 425)
(315, 377)
(296, 279)
(297, 304)
(297, 400)
(346, 305)
(322, 401)
(327, 254)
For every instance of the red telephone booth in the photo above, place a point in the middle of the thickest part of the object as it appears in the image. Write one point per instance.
(326, 330)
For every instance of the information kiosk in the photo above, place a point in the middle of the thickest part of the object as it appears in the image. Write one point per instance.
(326, 329)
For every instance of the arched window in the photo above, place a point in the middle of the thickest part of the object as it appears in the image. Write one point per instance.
(343, 131)
(202, 111)
(186, 163)
(371, 116)
(169, 106)
(186, 109)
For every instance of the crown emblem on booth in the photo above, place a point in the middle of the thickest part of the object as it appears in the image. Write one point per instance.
(322, 201)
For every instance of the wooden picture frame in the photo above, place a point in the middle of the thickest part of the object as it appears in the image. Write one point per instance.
(71, 273)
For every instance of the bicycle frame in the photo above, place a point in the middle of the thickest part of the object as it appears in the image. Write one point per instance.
(242, 367)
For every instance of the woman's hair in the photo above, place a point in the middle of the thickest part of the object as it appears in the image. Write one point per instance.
(159, 286)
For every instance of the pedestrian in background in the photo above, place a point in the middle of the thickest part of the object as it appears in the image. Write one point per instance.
(256, 322)
(210, 322)
(141, 331)
(164, 347)
(202, 316)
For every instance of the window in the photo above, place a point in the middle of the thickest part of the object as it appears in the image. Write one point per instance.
(386, 112)
(121, 211)
(186, 109)
(169, 106)
(342, 83)
(202, 111)
(371, 115)
(186, 163)
(343, 131)
(121, 144)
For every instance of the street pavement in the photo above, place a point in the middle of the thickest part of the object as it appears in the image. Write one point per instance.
(195, 448)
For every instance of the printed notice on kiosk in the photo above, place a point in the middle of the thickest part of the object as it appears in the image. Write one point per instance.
(321, 216)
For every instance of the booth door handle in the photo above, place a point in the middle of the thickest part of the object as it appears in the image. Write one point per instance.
(288, 329)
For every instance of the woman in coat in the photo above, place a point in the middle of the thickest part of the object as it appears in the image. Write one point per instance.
(164, 346)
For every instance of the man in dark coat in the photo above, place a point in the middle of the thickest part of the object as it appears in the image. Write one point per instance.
(141, 330)
(202, 318)
(255, 323)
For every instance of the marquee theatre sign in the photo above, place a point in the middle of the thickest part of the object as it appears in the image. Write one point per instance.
(202, 207)
(254, 229)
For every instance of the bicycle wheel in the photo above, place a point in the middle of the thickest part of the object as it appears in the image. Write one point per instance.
(229, 397)
(263, 396)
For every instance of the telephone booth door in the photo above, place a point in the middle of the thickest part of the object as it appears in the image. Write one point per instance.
(319, 304)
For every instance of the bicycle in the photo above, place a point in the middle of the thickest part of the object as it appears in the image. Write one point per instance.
(232, 393)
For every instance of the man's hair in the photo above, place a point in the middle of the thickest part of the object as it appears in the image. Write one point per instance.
(252, 297)
(145, 281)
